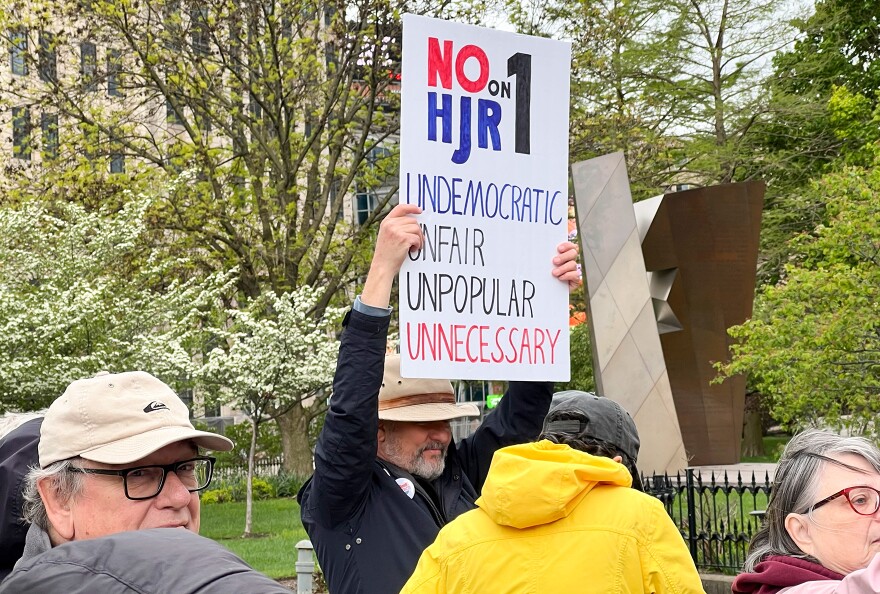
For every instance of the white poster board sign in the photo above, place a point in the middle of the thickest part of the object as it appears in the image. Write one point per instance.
(484, 153)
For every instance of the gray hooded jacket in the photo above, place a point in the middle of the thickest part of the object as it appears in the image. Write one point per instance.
(157, 561)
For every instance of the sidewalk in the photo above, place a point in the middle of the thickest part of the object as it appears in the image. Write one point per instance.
(745, 470)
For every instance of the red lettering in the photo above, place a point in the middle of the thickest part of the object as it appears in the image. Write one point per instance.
(539, 345)
(458, 342)
(483, 343)
(471, 86)
(553, 346)
(439, 63)
(512, 345)
(498, 344)
(467, 344)
(409, 345)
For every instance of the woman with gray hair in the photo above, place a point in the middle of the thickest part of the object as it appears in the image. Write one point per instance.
(822, 527)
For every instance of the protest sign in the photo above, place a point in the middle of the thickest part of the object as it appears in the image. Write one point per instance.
(484, 153)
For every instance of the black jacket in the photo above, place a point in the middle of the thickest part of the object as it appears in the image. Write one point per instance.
(18, 452)
(367, 533)
(157, 561)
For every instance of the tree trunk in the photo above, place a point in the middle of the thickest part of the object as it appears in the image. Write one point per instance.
(753, 427)
(249, 499)
(295, 441)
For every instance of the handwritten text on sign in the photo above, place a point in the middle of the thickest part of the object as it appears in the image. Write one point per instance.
(478, 300)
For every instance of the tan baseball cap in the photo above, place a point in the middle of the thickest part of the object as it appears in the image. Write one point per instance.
(418, 399)
(118, 418)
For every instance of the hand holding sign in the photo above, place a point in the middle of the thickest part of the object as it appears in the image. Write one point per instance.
(566, 268)
(398, 234)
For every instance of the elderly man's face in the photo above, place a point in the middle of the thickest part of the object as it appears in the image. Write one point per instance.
(102, 507)
(833, 533)
(418, 448)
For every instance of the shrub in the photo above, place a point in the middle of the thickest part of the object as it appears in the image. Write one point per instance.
(216, 496)
(287, 484)
(262, 489)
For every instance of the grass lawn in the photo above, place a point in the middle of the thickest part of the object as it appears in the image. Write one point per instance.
(772, 446)
(277, 528)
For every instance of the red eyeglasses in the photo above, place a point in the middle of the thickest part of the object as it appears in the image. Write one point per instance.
(862, 499)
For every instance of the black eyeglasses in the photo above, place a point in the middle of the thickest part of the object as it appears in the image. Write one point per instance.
(863, 500)
(146, 482)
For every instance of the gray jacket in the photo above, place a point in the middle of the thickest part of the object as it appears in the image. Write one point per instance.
(157, 561)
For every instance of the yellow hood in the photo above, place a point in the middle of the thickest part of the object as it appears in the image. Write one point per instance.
(538, 483)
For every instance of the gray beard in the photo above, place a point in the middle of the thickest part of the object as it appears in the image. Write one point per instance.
(417, 465)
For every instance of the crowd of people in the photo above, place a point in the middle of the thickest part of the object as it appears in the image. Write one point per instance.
(101, 492)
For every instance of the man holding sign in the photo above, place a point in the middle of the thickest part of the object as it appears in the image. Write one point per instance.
(387, 474)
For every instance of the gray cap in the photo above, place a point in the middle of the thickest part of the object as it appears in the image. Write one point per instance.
(600, 418)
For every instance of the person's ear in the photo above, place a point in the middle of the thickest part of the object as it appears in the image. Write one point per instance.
(381, 434)
(798, 528)
(618, 459)
(58, 510)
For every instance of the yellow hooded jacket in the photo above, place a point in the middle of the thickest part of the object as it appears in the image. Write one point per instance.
(552, 519)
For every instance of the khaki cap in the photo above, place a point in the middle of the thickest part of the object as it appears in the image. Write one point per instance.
(118, 418)
(418, 399)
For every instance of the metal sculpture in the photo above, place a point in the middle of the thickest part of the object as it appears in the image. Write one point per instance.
(666, 278)
(627, 355)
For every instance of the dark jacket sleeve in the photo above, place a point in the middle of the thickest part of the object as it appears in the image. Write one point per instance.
(18, 452)
(518, 419)
(346, 448)
(139, 562)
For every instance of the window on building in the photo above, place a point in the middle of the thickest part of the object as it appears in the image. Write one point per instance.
(204, 120)
(18, 51)
(48, 61)
(88, 65)
(21, 133)
(329, 55)
(171, 115)
(365, 203)
(201, 38)
(172, 35)
(376, 157)
(117, 163)
(49, 130)
(114, 72)
(286, 25)
(255, 108)
(91, 142)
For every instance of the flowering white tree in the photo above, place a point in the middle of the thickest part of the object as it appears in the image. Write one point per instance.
(276, 355)
(80, 292)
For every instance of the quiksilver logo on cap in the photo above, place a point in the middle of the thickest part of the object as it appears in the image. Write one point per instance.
(154, 406)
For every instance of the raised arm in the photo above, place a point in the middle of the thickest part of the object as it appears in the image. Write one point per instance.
(347, 445)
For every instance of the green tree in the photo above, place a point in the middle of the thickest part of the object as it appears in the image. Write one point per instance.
(284, 109)
(80, 293)
(675, 85)
(821, 98)
(275, 355)
(813, 345)
(611, 108)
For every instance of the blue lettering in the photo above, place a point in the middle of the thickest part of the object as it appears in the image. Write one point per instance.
(463, 153)
(488, 119)
(445, 113)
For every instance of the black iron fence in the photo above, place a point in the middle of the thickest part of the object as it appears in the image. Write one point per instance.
(717, 515)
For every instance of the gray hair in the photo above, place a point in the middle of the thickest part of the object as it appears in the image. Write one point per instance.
(795, 488)
(66, 484)
(13, 420)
